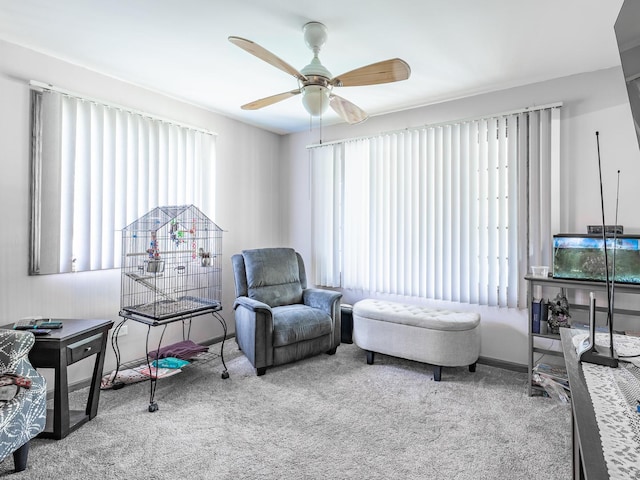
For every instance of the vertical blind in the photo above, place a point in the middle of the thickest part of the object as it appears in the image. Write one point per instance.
(451, 212)
(102, 167)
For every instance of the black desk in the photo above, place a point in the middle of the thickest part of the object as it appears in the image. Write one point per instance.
(588, 458)
(76, 340)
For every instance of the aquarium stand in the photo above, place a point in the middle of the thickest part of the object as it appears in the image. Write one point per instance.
(584, 287)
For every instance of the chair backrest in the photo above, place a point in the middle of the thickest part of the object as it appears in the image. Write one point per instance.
(275, 276)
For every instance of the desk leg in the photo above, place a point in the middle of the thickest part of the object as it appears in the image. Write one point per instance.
(578, 471)
(94, 390)
(61, 398)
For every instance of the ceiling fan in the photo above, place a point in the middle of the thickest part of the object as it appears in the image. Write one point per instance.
(316, 83)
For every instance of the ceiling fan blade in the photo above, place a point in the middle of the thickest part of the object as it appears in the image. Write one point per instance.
(387, 71)
(350, 112)
(264, 54)
(265, 102)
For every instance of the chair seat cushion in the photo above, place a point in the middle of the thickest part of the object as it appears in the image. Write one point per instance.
(295, 323)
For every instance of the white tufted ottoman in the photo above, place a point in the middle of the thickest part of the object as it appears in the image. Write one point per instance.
(442, 338)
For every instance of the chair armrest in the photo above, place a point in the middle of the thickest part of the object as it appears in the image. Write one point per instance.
(14, 346)
(325, 300)
(254, 330)
(253, 305)
(328, 301)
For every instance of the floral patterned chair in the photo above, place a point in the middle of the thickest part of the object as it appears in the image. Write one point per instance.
(23, 416)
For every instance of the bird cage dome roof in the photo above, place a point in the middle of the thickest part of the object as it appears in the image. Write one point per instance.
(160, 216)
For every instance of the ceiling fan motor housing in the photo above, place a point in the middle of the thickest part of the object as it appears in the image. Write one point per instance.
(316, 69)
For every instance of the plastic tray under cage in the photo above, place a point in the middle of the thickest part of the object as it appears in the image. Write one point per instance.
(171, 265)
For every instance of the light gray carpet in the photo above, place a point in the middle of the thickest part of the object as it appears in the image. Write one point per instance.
(324, 417)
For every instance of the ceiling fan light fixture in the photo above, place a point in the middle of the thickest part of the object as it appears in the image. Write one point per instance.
(315, 99)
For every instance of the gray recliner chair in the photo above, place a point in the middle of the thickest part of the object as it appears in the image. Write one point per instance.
(278, 319)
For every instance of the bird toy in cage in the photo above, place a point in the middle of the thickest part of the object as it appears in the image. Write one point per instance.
(153, 250)
(194, 254)
(173, 232)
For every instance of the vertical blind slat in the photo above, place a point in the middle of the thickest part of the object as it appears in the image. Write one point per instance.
(465, 237)
(96, 191)
(431, 213)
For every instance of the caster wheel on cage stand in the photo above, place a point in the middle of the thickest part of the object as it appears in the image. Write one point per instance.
(153, 406)
(225, 374)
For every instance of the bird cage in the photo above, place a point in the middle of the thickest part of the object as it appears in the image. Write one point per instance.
(170, 265)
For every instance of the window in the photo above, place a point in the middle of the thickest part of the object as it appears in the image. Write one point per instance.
(96, 168)
(451, 212)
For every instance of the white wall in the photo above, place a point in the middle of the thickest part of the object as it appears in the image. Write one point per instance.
(592, 102)
(247, 201)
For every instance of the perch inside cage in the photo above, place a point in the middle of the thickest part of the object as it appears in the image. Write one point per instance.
(171, 264)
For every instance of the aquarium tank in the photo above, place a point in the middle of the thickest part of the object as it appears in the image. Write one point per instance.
(582, 257)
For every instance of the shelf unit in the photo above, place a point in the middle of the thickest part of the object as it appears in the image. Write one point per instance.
(564, 285)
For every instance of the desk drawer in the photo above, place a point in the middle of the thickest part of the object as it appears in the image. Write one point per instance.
(84, 348)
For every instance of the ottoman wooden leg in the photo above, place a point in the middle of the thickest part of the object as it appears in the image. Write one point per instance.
(437, 373)
(472, 367)
(370, 356)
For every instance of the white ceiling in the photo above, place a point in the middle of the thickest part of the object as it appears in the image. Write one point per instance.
(455, 48)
